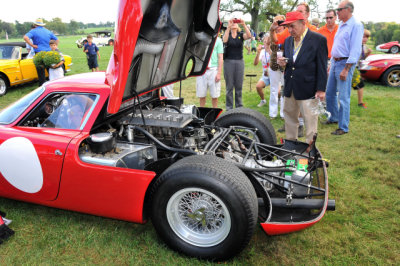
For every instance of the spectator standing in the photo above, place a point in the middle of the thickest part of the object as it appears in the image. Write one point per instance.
(233, 61)
(315, 22)
(276, 76)
(247, 45)
(357, 81)
(263, 55)
(253, 45)
(56, 71)
(92, 52)
(305, 54)
(40, 37)
(345, 53)
(280, 38)
(329, 29)
(211, 79)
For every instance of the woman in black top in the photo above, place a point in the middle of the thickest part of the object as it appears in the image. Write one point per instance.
(233, 61)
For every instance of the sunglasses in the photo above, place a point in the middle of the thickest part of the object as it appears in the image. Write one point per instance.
(329, 18)
(341, 8)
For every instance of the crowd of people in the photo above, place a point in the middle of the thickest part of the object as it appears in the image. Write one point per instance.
(302, 62)
(40, 39)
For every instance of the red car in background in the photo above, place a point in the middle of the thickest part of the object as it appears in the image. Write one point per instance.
(389, 47)
(382, 67)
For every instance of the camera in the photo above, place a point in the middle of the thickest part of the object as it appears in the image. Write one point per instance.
(236, 20)
(280, 22)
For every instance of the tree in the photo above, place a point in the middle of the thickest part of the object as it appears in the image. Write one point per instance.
(22, 28)
(57, 26)
(73, 27)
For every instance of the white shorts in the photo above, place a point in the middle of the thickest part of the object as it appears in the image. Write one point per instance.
(208, 81)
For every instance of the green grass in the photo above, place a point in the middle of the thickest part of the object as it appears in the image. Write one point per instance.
(363, 174)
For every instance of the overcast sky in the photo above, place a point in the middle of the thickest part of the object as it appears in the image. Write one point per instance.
(106, 10)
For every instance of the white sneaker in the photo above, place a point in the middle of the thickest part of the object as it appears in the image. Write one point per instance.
(262, 102)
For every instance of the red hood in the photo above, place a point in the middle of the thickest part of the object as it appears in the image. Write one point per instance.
(155, 41)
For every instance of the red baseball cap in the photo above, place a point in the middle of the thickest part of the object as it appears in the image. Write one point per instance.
(292, 17)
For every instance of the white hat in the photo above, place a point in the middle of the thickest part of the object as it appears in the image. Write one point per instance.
(39, 22)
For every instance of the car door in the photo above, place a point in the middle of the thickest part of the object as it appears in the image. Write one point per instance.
(32, 169)
(10, 64)
(28, 69)
(32, 152)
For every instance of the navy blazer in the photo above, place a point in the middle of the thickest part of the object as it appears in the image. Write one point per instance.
(309, 72)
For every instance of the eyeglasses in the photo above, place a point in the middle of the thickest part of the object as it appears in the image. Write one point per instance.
(329, 18)
(341, 8)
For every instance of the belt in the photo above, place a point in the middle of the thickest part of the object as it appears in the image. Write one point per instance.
(339, 58)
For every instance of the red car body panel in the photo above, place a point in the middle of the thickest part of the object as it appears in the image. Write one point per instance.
(375, 65)
(126, 34)
(273, 228)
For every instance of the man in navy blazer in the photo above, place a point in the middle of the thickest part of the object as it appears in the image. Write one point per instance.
(304, 56)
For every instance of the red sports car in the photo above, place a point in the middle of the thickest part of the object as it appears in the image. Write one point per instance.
(381, 67)
(107, 144)
(389, 47)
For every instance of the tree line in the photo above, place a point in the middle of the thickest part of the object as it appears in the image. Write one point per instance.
(17, 29)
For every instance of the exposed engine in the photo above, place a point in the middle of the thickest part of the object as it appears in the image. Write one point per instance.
(147, 135)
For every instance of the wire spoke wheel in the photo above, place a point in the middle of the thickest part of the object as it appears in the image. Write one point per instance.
(198, 217)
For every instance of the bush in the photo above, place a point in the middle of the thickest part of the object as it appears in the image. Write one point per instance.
(51, 58)
(38, 58)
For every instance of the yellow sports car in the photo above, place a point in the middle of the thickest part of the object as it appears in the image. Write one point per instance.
(16, 68)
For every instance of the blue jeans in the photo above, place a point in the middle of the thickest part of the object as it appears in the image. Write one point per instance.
(339, 113)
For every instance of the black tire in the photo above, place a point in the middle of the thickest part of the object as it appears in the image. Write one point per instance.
(394, 49)
(189, 192)
(249, 118)
(391, 77)
(4, 84)
(110, 42)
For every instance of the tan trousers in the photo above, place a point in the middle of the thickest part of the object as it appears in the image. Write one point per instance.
(292, 109)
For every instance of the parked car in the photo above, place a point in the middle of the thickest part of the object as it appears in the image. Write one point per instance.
(100, 38)
(381, 67)
(16, 68)
(390, 47)
(107, 144)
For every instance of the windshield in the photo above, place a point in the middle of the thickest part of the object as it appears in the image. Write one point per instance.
(9, 52)
(13, 111)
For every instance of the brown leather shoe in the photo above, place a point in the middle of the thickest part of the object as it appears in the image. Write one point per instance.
(338, 132)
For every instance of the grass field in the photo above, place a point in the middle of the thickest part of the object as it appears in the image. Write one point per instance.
(364, 176)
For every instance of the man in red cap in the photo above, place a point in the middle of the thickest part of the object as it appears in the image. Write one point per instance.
(304, 57)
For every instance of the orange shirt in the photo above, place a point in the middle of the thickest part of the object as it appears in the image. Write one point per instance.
(330, 36)
(285, 33)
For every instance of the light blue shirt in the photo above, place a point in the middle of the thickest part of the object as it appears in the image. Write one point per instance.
(348, 40)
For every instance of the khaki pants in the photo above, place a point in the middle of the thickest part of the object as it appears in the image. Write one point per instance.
(292, 109)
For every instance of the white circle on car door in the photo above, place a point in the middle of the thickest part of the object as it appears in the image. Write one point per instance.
(20, 165)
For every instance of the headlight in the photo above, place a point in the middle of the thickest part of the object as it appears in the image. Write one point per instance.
(368, 67)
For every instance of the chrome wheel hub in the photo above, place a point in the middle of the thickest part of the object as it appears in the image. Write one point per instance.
(198, 217)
